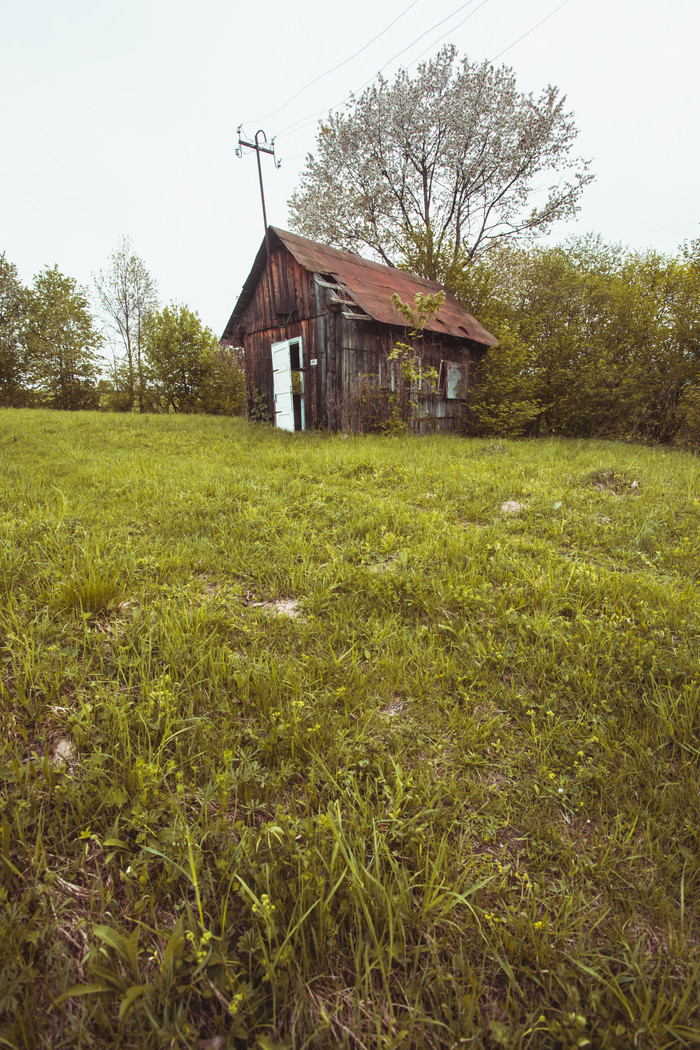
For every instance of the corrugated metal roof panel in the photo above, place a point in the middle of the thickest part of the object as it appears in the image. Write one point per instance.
(370, 284)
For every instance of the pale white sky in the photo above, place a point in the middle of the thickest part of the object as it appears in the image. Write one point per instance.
(120, 118)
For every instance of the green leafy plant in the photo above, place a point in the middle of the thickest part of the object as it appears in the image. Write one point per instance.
(391, 407)
(258, 409)
(504, 398)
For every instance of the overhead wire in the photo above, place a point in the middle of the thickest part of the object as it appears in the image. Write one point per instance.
(540, 23)
(333, 69)
(304, 121)
(425, 33)
(441, 38)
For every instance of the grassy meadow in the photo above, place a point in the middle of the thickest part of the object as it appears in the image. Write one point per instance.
(306, 743)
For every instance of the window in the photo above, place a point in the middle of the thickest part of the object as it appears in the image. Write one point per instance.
(456, 380)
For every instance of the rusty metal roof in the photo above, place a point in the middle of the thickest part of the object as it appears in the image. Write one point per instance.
(369, 284)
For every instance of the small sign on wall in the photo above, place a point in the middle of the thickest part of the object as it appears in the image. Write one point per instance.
(313, 361)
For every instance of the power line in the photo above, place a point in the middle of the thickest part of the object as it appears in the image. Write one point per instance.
(334, 68)
(546, 17)
(303, 121)
(409, 46)
(452, 30)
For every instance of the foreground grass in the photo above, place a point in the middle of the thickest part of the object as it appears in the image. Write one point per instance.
(452, 802)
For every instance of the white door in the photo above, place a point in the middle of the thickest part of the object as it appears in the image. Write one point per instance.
(288, 383)
(282, 380)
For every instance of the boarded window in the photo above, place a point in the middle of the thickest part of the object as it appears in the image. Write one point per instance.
(456, 379)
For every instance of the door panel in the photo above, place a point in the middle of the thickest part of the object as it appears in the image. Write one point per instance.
(282, 380)
(288, 380)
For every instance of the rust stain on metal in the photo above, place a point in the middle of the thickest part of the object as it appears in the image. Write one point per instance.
(369, 285)
(372, 285)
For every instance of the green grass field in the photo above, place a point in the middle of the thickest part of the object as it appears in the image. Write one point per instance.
(306, 743)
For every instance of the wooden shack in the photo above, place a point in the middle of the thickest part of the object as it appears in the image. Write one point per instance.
(318, 325)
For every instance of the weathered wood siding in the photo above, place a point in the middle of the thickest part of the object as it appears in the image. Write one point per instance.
(288, 313)
(344, 349)
(361, 349)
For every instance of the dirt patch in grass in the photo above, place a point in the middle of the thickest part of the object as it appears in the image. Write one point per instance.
(63, 751)
(393, 709)
(382, 566)
(211, 587)
(613, 481)
(280, 607)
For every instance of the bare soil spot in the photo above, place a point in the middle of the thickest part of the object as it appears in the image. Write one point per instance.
(382, 566)
(62, 751)
(613, 481)
(280, 607)
(208, 584)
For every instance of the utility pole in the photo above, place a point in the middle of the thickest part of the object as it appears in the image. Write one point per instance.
(261, 147)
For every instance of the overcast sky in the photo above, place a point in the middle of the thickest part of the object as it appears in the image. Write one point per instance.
(120, 118)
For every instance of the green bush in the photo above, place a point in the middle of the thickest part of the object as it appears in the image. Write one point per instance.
(504, 400)
(689, 434)
(223, 389)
